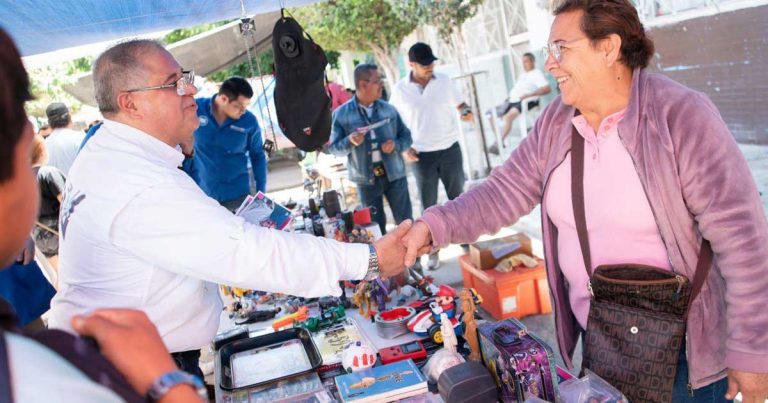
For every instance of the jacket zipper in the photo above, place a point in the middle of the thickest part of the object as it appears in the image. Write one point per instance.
(645, 191)
(677, 279)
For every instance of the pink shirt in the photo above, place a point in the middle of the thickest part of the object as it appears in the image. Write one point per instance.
(620, 222)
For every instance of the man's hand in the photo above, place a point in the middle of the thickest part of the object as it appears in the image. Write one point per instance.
(468, 117)
(130, 342)
(411, 155)
(28, 253)
(357, 138)
(391, 250)
(417, 242)
(388, 146)
(753, 386)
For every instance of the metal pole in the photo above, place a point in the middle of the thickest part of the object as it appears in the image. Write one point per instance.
(479, 119)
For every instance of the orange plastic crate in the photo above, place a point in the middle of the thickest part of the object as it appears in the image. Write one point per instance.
(519, 293)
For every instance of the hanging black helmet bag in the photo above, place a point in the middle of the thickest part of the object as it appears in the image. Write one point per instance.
(302, 103)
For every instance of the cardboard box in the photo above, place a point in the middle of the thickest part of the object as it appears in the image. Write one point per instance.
(487, 254)
(519, 293)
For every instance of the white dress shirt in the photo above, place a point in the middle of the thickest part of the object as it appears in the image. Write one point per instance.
(137, 232)
(62, 146)
(430, 112)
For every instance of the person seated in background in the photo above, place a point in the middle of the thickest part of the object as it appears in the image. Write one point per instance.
(529, 86)
(59, 367)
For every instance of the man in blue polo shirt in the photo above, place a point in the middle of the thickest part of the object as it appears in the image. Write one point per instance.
(228, 135)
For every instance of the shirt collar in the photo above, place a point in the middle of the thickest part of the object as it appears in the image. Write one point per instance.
(607, 126)
(154, 148)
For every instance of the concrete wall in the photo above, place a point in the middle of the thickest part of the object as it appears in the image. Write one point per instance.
(725, 56)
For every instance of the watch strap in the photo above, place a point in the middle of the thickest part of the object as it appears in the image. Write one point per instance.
(167, 381)
(373, 264)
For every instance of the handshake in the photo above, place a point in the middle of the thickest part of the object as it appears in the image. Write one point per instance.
(400, 248)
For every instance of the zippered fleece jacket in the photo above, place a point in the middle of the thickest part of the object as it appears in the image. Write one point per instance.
(698, 185)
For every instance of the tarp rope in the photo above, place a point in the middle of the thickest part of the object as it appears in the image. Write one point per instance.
(246, 28)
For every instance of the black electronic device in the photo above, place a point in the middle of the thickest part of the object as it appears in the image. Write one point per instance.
(467, 382)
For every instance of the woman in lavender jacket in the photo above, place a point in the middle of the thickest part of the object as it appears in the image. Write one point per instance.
(661, 172)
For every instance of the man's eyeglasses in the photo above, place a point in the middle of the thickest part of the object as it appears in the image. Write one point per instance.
(556, 49)
(187, 80)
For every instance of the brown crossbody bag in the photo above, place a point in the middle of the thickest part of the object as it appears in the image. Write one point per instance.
(637, 313)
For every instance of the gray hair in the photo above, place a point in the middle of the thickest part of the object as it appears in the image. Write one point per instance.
(121, 68)
(363, 72)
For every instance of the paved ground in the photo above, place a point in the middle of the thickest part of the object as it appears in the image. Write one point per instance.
(449, 272)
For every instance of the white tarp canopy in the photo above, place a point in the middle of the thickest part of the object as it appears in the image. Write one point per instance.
(40, 26)
(205, 53)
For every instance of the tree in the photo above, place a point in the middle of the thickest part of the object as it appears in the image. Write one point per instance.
(263, 62)
(358, 25)
(447, 16)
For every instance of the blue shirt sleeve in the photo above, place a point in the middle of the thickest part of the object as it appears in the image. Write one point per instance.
(258, 158)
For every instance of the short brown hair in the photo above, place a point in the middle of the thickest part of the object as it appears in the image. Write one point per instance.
(605, 17)
(14, 91)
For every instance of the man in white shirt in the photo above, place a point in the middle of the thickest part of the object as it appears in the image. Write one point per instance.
(48, 366)
(137, 232)
(63, 142)
(427, 102)
(529, 86)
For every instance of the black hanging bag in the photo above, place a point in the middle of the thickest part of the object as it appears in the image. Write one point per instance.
(301, 100)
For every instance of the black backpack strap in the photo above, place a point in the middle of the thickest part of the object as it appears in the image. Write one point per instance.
(6, 388)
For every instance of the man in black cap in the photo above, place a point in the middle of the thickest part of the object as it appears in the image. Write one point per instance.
(427, 102)
(63, 142)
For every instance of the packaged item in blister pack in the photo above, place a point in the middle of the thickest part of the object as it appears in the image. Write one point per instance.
(590, 388)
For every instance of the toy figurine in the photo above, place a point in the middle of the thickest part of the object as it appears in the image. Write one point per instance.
(428, 322)
(469, 301)
(380, 292)
(360, 235)
(258, 316)
(421, 282)
(362, 298)
(445, 298)
(449, 336)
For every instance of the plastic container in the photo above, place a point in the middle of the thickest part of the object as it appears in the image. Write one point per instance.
(271, 357)
(519, 293)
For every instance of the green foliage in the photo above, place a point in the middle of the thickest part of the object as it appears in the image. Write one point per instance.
(445, 15)
(47, 86)
(333, 58)
(77, 66)
(354, 25)
(263, 63)
(184, 33)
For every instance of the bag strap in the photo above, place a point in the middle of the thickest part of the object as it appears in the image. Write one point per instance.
(577, 197)
(6, 388)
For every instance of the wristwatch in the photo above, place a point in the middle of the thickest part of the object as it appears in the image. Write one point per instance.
(168, 380)
(373, 264)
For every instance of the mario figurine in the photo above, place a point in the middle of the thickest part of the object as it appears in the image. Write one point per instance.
(446, 300)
